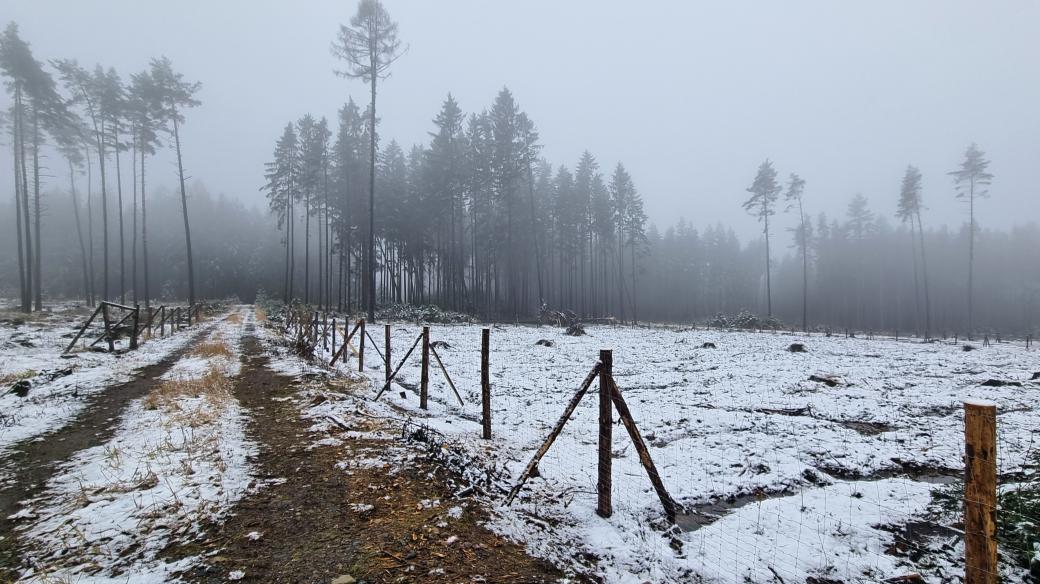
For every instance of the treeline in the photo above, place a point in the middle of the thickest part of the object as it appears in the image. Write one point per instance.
(474, 220)
(92, 122)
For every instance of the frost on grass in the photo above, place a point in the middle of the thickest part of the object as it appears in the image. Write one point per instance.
(740, 433)
(177, 460)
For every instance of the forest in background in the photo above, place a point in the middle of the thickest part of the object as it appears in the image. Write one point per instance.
(475, 220)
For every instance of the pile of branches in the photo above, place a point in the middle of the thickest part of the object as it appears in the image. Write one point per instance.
(422, 313)
(472, 477)
(746, 320)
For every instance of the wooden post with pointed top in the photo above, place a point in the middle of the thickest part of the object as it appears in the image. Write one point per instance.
(424, 378)
(485, 382)
(980, 493)
(361, 348)
(386, 353)
(136, 323)
(604, 507)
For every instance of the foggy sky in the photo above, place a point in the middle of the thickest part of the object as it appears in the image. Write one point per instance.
(691, 96)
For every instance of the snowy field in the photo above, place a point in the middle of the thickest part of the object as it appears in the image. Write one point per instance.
(783, 478)
(31, 349)
(178, 459)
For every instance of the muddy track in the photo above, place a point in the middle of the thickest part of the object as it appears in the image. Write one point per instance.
(314, 522)
(36, 460)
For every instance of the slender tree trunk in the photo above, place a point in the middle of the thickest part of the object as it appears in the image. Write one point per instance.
(122, 237)
(38, 214)
(805, 269)
(90, 225)
(27, 230)
(144, 234)
(15, 150)
(971, 259)
(621, 274)
(307, 249)
(104, 212)
(917, 284)
(769, 281)
(371, 271)
(133, 219)
(184, 209)
(79, 234)
(924, 275)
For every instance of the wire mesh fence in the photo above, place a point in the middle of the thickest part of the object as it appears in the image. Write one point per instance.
(843, 463)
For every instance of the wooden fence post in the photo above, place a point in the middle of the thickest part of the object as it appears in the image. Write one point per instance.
(604, 508)
(108, 327)
(136, 322)
(334, 335)
(361, 348)
(424, 378)
(485, 381)
(162, 321)
(386, 354)
(980, 493)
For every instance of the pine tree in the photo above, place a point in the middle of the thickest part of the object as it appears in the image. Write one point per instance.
(174, 95)
(793, 196)
(369, 46)
(764, 191)
(144, 108)
(972, 180)
(909, 211)
(281, 176)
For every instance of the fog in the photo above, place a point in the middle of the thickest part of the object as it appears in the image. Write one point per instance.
(690, 96)
(587, 160)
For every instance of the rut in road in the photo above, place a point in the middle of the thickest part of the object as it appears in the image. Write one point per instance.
(34, 461)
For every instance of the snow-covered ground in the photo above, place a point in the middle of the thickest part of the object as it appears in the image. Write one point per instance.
(31, 348)
(178, 458)
(806, 479)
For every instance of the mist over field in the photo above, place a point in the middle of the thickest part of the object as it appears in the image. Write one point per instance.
(324, 291)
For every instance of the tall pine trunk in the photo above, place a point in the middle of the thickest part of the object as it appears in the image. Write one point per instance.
(769, 280)
(144, 234)
(26, 229)
(370, 291)
(971, 259)
(184, 209)
(79, 234)
(18, 203)
(122, 237)
(104, 211)
(38, 212)
(924, 276)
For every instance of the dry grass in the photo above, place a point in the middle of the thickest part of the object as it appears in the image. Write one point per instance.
(8, 378)
(261, 314)
(215, 347)
(214, 385)
(235, 318)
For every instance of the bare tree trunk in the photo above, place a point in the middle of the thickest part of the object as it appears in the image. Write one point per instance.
(971, 259)
(371, 271)
(924, 274)
(29, 263)
(38, 279)
(79, 234)
(122, 237)
(133, 221)
(100, 133)
(184, 209)
(15, 149)
(90, 225)
(769, 280)
(144, 234)
(917, 280)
